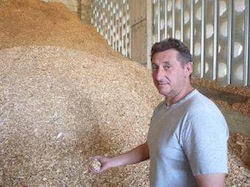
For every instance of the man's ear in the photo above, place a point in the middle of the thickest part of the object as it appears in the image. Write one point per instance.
(188, 68)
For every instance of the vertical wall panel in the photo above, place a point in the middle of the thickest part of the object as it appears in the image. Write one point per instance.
(81, 7)
(112, 20)
(203, 37)
(215, 44)
(230, 40)
(138, 30)
(246, 68)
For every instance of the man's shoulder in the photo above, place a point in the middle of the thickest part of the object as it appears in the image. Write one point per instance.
(199, 106)
(201, 102)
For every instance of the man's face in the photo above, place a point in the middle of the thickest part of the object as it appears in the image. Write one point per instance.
(169, 75)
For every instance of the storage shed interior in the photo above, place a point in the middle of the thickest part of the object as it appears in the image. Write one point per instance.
(68, 93)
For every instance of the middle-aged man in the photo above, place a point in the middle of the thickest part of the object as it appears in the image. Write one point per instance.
(187, 138)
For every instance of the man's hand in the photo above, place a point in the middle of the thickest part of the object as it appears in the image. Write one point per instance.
(99, 164)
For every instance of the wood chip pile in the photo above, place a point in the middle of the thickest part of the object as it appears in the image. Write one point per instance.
(60, 107)
(242, 107)
(34, 22)
(66, 96)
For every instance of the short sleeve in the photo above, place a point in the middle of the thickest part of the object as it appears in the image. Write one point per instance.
(204, 141)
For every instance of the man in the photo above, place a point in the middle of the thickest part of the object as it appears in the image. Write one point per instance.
(187, 138)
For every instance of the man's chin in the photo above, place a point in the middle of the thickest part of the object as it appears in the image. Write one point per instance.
(163, 92)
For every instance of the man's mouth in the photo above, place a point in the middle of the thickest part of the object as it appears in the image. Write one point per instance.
(162, 83)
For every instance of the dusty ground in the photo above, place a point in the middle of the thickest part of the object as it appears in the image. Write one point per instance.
(66, 96)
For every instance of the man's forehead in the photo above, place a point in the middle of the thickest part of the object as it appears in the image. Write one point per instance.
(165, 56)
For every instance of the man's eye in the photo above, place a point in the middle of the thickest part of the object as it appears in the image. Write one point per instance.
(165, 67)
(154, 67)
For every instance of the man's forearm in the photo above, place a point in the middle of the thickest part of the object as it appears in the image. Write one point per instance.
(133, 156)
(211, 180)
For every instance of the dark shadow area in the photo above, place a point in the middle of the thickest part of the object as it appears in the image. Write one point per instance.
(230, 98)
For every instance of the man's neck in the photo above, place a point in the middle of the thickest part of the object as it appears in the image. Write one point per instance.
(179, 96)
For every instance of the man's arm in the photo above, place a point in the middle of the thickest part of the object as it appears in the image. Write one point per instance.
(210, 180)
(133, 156)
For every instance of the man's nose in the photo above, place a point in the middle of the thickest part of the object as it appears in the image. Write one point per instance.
(159, 74)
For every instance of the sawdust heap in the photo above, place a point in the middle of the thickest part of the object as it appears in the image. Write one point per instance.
(34, 22)
(61, 105)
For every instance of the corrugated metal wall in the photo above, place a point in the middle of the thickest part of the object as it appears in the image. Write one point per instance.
(124, 25)
(112, 20)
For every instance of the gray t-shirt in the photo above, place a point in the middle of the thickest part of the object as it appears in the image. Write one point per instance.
(185, 139)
